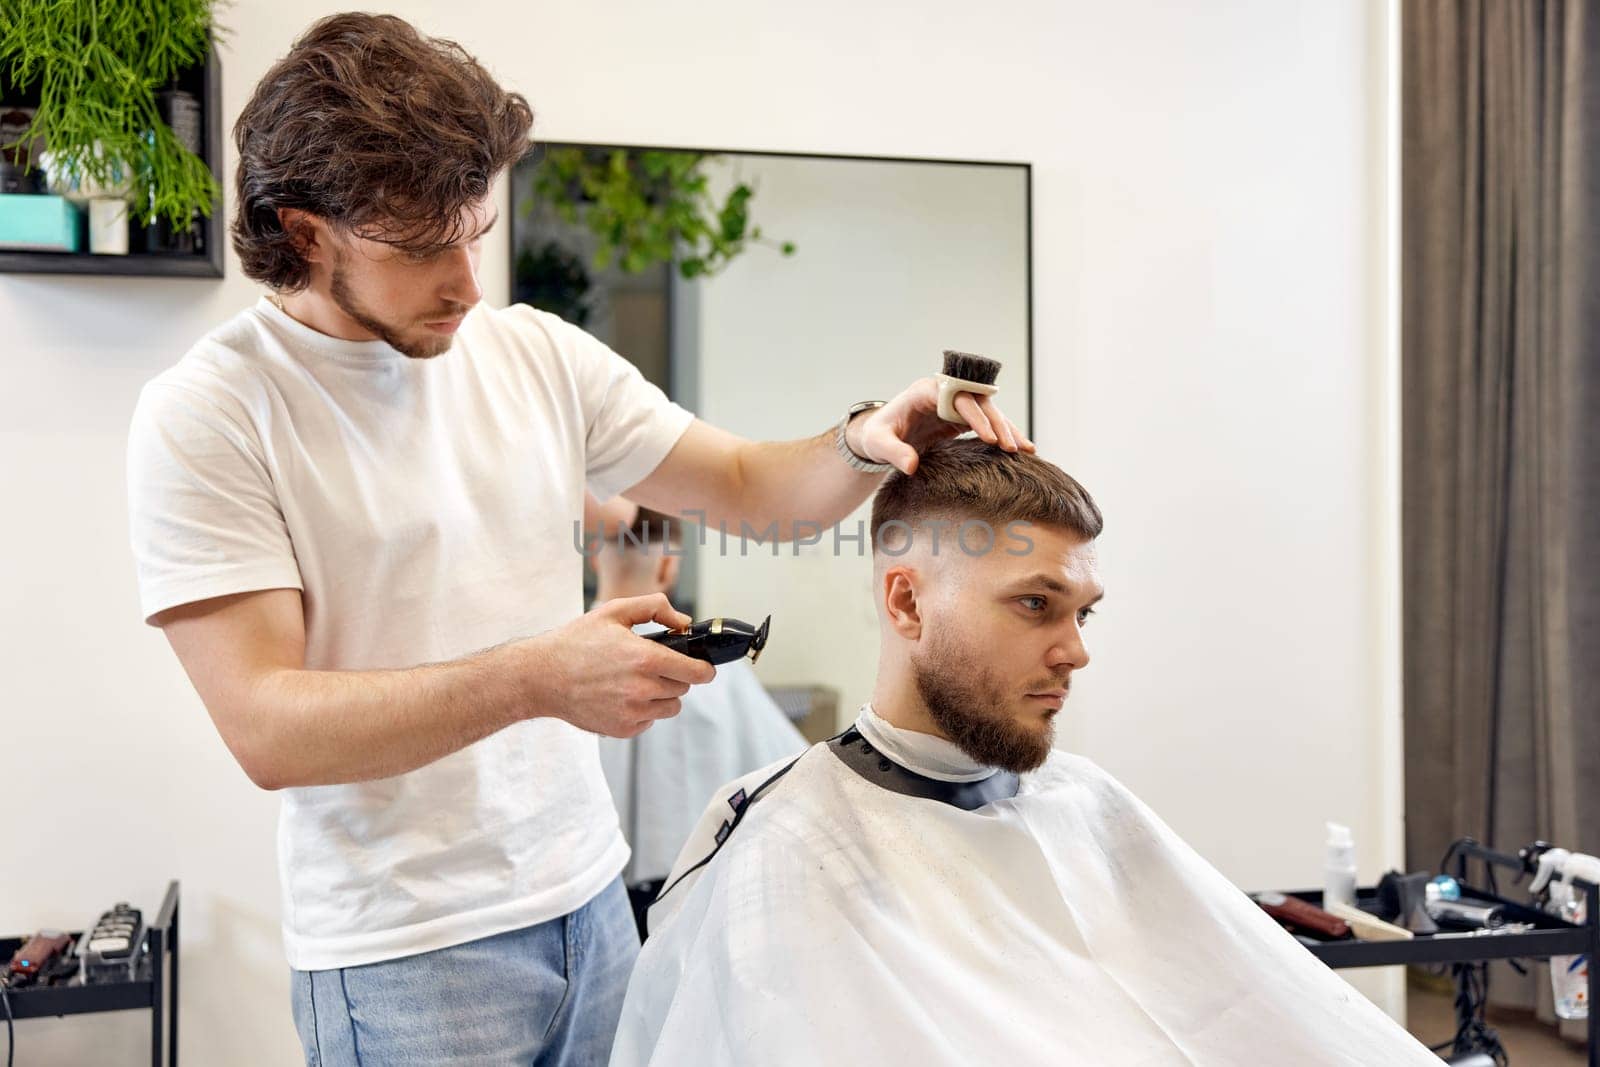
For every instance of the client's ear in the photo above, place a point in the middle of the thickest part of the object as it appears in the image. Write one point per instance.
(667, 572)
(900, 602)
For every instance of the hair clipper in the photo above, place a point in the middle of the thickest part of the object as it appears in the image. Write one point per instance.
(716, 640)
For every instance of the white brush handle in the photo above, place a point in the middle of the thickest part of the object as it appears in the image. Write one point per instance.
(1367, 926)
(949, 387)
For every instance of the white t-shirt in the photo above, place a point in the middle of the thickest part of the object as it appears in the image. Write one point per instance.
(425, 510)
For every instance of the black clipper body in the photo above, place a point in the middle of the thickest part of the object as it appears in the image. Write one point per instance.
(717, 640)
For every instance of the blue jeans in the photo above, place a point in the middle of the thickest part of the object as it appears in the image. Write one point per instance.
(545, 996)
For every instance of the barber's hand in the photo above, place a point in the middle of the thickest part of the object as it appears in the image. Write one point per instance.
(897, 432)
(610, 680)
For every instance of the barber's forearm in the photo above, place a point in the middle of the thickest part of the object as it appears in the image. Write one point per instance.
(799, 482)
(304, 727)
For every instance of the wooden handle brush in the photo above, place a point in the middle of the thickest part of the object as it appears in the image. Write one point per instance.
(965, 373)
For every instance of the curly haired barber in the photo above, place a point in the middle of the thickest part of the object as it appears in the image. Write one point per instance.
(352, 512)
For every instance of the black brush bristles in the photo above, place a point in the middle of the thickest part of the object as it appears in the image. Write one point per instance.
(971, 368)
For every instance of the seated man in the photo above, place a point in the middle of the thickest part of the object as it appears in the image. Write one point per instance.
(661, 779)
(937, 885)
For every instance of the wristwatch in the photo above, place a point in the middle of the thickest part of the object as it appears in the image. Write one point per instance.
(842, 446)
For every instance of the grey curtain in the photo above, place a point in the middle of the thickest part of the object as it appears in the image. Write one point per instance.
(1500, 176)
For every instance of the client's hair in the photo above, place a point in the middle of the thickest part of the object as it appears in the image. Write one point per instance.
(963, 479)
(648, 528)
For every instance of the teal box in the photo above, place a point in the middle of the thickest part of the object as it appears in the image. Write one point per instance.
(33, 222)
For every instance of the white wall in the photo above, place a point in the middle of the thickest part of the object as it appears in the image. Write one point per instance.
(895, 262)
(1214, 360)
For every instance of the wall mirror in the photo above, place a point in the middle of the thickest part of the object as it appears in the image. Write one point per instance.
(767, 292)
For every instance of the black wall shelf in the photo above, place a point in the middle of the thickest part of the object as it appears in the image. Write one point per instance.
(205, 82)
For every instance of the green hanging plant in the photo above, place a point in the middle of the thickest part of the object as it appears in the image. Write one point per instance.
(648, 206)
(98, 65)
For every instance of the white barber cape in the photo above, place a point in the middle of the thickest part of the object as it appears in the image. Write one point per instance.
(844, 923)
(662, 779)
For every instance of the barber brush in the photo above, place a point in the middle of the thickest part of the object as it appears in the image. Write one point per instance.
(1302, 915)
(716, 640)
(965, 373)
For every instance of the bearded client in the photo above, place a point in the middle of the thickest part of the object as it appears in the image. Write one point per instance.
(938, 884)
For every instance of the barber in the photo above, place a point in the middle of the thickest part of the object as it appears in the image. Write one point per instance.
(352, 510)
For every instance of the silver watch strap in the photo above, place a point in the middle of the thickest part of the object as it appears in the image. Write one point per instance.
(842, 445)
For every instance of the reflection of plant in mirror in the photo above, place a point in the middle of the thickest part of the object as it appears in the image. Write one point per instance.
(98, 67)
(649, 206)
(553, 279)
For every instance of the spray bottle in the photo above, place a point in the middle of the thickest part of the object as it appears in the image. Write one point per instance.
(1339, 868)
(1569, 975)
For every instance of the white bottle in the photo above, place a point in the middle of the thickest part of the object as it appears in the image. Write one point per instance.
(108, 226)
(1339, 868)
(1569, 975)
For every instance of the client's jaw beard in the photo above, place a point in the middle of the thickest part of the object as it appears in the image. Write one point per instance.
(345, 301)
(967, 704)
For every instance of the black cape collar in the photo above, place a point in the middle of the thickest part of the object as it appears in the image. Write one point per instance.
(859, 754)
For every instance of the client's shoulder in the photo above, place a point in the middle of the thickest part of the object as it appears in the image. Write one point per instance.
(730, 807)
(1064, 770)
(735, 822)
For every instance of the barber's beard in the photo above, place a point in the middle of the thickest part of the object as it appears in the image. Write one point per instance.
(417, 347)
(970, 706)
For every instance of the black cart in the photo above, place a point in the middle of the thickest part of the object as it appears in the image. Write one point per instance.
(154, 985)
